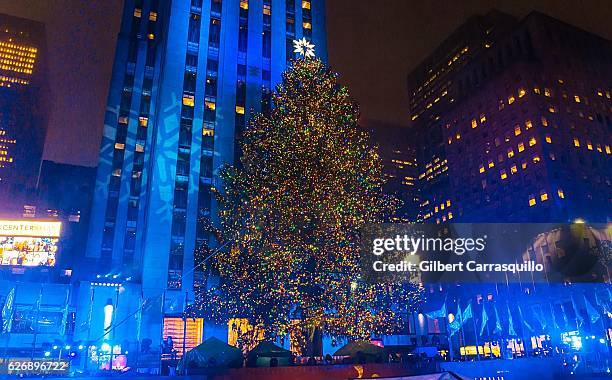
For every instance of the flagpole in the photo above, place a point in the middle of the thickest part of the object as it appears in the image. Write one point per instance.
(476, 336)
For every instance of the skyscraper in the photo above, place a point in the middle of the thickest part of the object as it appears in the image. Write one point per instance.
(186, 76)
(22, 108)
(514, 123)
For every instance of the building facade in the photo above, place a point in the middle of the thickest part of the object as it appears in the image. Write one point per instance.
(186, 76)
(519, 130)
(398, 156)
(23, 117)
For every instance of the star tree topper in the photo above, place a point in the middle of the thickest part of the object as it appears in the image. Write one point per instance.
(304, 47)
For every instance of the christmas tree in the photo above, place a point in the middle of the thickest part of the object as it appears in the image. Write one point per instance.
(308, 179)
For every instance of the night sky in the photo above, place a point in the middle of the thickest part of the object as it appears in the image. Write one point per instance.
(372, 44)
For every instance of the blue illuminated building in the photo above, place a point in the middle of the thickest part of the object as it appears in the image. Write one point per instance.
(186, 76)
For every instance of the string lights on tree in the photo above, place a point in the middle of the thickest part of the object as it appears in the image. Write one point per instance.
(308, 179)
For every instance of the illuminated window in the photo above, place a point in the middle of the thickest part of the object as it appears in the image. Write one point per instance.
(543, 196)
(450, 215)
(240, 110)
(548, 139)
(208, 132)
(139, 148)
(560, 193)
(532, 141)
(589, 145)
(513, 169)
(305, 4)
(536, 90)
(491, 164)
(524, 165)
(521, 147)
(153, 16)
(536, 159)
(119, 146)
(306, 25)
(483, 118)
(510, 99)
(436, 209)
(576, 142)
(244, 4)
(210, 105)
(599, 93)
(552, 109)
(137, 12)
(510, 153)
(517, 130)
(117, 173)
(143, 121)
(503, 174)
(188, 100)
(607, 149)
(544, 122)
(458, 136)
(448, 203)
(532, 201)
(577, 98)
(267, 10)
(474, 123)
(151, 36)
(521, 92)
(442, 206)
(547, 92)
(528, 124)
(123, 119)
(599, 148)
(482, 169)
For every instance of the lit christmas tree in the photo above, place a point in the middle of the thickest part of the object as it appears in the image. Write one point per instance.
(308, 180)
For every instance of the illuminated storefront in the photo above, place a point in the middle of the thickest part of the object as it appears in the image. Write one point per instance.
(177, 328)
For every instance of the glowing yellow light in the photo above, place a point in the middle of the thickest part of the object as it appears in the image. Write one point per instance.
(544, 197)
(560, 193)
(30, 228)
(532, 202)
(576, 142)
(521, 92)
(521, 147)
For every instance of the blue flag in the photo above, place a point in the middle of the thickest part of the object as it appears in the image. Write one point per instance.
(484, 320)
(511, 330)
(498, 327)
(455, 325)
(441, 313)
(467, 313)
(7, 312)
(591, 311)
(522, 317)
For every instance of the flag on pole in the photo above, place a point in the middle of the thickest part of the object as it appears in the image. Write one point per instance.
(467, 313)
(591, 311)
(65, 313)
(498, 327)
(441, 313)
(538, 314)
(511, 330)
(523, 320)
(455, 325)
(483, 320)
(579, 319)
(7, 311)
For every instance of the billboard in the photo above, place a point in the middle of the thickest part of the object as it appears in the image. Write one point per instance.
(28, 243)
